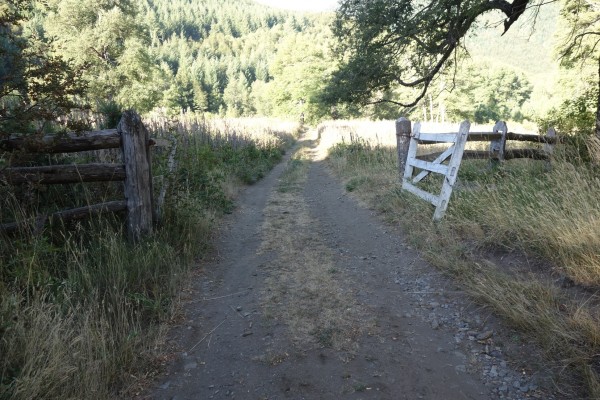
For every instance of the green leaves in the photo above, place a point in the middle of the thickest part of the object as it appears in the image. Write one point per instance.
(36, 86)
(386, 44)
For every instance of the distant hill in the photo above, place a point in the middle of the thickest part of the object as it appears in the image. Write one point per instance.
(528, 45)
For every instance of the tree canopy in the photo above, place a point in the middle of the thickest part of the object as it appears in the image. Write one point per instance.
(386, 44)
(402, 42)
(36, 86)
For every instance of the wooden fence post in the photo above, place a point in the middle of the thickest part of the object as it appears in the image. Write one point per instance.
(549, 147)
(135, 143)
(403, 131)
(498, 146)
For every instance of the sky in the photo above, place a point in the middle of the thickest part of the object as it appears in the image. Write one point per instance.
(302, 5)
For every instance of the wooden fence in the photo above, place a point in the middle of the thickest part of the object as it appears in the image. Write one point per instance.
(136, 172)
(409, 137)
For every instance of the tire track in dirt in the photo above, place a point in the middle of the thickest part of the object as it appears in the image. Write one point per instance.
(304, 303)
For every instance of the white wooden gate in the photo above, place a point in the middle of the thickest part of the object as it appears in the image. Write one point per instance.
(450, 170)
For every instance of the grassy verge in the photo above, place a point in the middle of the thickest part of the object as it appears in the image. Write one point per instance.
(523, 210)
(80, 308)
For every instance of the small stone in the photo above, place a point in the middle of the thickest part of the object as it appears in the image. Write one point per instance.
(165, 385)
(190, 366)
(496, 353)
(460, 368)
(517, 384)
(524, 388)
(238, 308)
(485, 335)
(494, 371)
(434, 304)
(435, 324)
(503, 388)
(245, 334)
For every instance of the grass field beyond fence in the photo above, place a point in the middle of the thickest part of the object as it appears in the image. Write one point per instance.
(522, 208)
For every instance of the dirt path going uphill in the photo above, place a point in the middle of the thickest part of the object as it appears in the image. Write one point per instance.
(311, 297)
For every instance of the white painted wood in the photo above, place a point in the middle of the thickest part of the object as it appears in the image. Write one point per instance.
(437, 137)
(440, 159)
(450, 171)
(453, 166)
(433, 199)
(412, 152)
(429, 166)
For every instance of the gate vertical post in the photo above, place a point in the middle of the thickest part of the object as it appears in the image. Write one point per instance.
(453, 167)
(403, 131)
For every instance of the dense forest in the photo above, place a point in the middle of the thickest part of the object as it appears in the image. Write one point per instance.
(221, 57)
(239, 58)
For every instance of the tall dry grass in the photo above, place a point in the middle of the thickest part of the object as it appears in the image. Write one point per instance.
(81, 309)
(523, 207)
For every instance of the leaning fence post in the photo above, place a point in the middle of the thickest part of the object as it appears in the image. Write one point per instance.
(135, 143)
(453, 167)
(403, 131)
(498, 146)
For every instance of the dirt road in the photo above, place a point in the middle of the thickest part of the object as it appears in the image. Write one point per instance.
(312, 297)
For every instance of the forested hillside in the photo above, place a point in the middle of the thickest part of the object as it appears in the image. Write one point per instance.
(221, 57)
(232, 57)
(240, 58)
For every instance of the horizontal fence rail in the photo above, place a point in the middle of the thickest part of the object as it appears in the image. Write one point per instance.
(130, 136)
(60, 174)
(65, 143)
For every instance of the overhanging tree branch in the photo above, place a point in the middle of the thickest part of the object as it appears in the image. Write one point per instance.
(385, 44)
